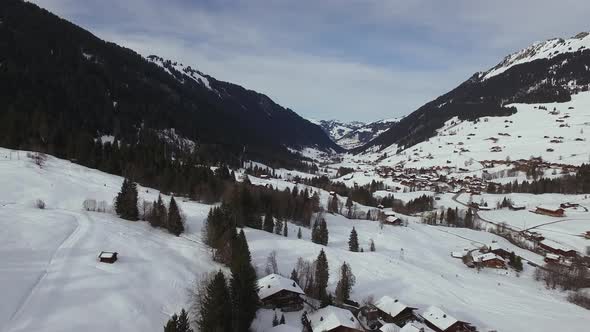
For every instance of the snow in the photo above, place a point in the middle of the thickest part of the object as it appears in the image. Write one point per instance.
(331, 317)
(106, 139)
(541, 50)
(274, 283)
(439, 318)
(49, 260)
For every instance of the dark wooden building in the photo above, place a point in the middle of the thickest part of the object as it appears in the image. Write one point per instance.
(391, 310)
(107, 257)
(278, 292)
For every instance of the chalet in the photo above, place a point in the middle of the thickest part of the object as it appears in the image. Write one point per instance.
(557, 248)
(276, 291)
(107, 257)
(333, 319)
(550, 211)
(393, 311)
(490, 260)
(496, 249)
(439, 321)
(552, 258)
(393, 220)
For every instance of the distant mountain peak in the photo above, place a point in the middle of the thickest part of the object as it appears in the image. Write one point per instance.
(350, 135)
(540, 50)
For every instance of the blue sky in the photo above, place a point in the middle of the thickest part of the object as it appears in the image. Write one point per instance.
(345, 59)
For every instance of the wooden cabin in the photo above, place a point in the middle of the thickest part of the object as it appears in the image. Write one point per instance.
(278, 292)
(333, 319)
(439, 321)
(393, 311)
(550, 211)
(107, 257)
(489, 260)
(557, 248)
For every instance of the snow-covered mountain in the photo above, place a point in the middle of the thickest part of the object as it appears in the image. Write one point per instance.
(350, 135)
(545, 72)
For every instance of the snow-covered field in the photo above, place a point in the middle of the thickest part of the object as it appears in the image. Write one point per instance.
(51, 280)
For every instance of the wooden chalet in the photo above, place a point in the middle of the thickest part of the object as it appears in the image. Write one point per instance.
(333, 319)
(391, 310)
(107, 257)
(496, 249)
(439, 321)
(489, 260)
(557, 248)
(550, 211)
(389, 218)
(278, 292)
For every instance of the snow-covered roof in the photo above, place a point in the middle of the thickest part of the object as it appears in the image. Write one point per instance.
(331, 317)
(552, 256)
(390, 305)
(555, 245)
(390, 327)
(274, 283)
(392, 218)
(486, 257)
(549, 207)
(415, 327)
(107, 254)
(439, 318)
(389, 213)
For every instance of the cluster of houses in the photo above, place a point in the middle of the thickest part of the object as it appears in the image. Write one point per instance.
(384, 315)
(492, 256)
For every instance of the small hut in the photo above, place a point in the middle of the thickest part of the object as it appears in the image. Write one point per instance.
(107, 257)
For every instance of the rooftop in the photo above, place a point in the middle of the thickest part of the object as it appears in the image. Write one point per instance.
(274, 283)
(331, 317)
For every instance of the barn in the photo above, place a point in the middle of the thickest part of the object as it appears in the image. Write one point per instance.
(107, 257)
(490, 260)
(333, 319)
(552, 211)
(439, 321)
(557, 248)
(276, 291)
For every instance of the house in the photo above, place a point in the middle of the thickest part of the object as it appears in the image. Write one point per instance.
(276, 291)
(439, 321)
(496, 249)
(490, 260)
(552, 258)
(557, 248)
(107, 257)
(516, 207)
(393, 311)
(550, 211)
(333, 319)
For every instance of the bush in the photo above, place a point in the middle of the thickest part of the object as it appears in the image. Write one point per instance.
(40, 204)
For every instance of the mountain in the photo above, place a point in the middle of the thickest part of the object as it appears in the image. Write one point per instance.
(545, 72)
(350, 135)
(61, 94)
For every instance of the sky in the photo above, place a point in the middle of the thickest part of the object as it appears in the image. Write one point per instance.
(332, 59)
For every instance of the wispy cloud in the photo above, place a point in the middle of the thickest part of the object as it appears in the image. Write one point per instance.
(346, 59)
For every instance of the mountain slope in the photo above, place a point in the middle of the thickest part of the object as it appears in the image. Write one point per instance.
(542, 73)
(353, 134)
(58, 90)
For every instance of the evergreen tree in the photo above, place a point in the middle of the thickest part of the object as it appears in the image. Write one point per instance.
(295, 276)
(285, 229)
(299, 235)
(126, 201)
(322, 274)
(175, 224)
(353, 241)
(345, 284)
(216, 310)
(172, 324)
(469, 219)
(372, 245)
(323, 232)
(275, 319)
(162, 213)
(278, 227)
(244, 285)
(282, 321)
(183, 322)
(348, 205)
(268, 223)
(315, 232)
(333, 204)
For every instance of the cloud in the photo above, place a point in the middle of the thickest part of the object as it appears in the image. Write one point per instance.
(346, 59)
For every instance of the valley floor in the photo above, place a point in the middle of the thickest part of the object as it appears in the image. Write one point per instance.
(51, 280)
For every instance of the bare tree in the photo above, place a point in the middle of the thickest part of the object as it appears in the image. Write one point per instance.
(271, 263)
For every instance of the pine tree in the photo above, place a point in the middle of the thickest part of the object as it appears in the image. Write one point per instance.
(275, 319)
(469, 219)
(315, 232)
(295, 276)
(282, 321)
(175, 224)
(348, 205)
(162, 212)
(183, 322)
(126, 201)
(323, 232)
(353, 241)
(172, 324)
(278, 227)
(299, 235)
(285, 230)
(372, 245)
(268, 223)
(216, 309)
(244, 285)
(345, 284)
(322, 274)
